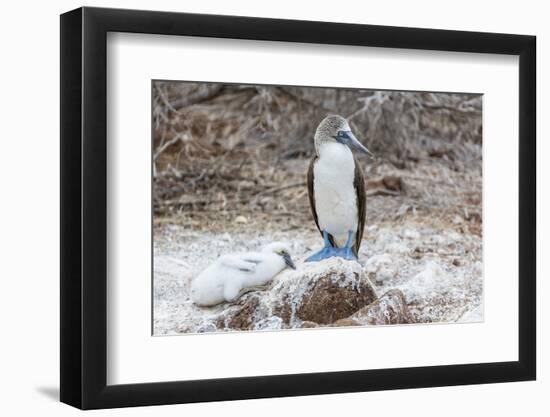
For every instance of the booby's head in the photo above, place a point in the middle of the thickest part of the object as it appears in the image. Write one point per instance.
(335, 129)
(281, 249)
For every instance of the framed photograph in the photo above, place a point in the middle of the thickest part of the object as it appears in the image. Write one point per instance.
(258, 208)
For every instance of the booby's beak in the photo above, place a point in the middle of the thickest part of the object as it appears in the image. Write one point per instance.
(349, 139)
(288, 261)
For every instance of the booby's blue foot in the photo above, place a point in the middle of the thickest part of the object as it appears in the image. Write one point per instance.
(347, 253)
(326, 252)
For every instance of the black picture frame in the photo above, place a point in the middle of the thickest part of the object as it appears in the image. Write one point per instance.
(84, 207)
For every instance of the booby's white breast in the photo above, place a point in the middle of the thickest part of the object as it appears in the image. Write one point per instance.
(335, 197)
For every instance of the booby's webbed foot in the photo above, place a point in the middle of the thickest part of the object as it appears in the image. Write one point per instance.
(347, 253)
(326, 252)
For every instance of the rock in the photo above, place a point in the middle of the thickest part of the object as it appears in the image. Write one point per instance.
(380, 268)
(241, 220)
(385, 274)
(308, 325)
(430, 274)
(328, 300)
(390, 308)
(347, 322)
(333, 292)
(270, 323)
(317, 293)
(388, 185)
(206, 328)
(392, 182)
(323, 292)
(241, 315)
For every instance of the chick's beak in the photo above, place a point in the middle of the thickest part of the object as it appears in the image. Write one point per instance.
(288, 261)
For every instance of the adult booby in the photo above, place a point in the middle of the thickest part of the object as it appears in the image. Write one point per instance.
(232, 275)
(336, 189)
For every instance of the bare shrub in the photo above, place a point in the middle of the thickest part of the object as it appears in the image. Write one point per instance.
(231, 148)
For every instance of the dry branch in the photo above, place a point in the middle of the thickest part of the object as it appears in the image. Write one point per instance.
(224, 150)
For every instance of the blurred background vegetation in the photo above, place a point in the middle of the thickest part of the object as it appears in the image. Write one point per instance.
(226, 154)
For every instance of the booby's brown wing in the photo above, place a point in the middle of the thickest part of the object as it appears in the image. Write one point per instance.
(361, 193)
(310, 191)
(311, 194)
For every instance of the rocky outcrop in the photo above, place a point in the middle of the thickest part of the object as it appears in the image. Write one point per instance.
(315, 294)
(240, 316)
(327, 297)
(390, 308)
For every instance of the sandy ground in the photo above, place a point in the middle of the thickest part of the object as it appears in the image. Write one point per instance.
(438, 269)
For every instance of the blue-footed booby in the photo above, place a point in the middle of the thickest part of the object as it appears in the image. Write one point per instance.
(230, 276)
(336, 188)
